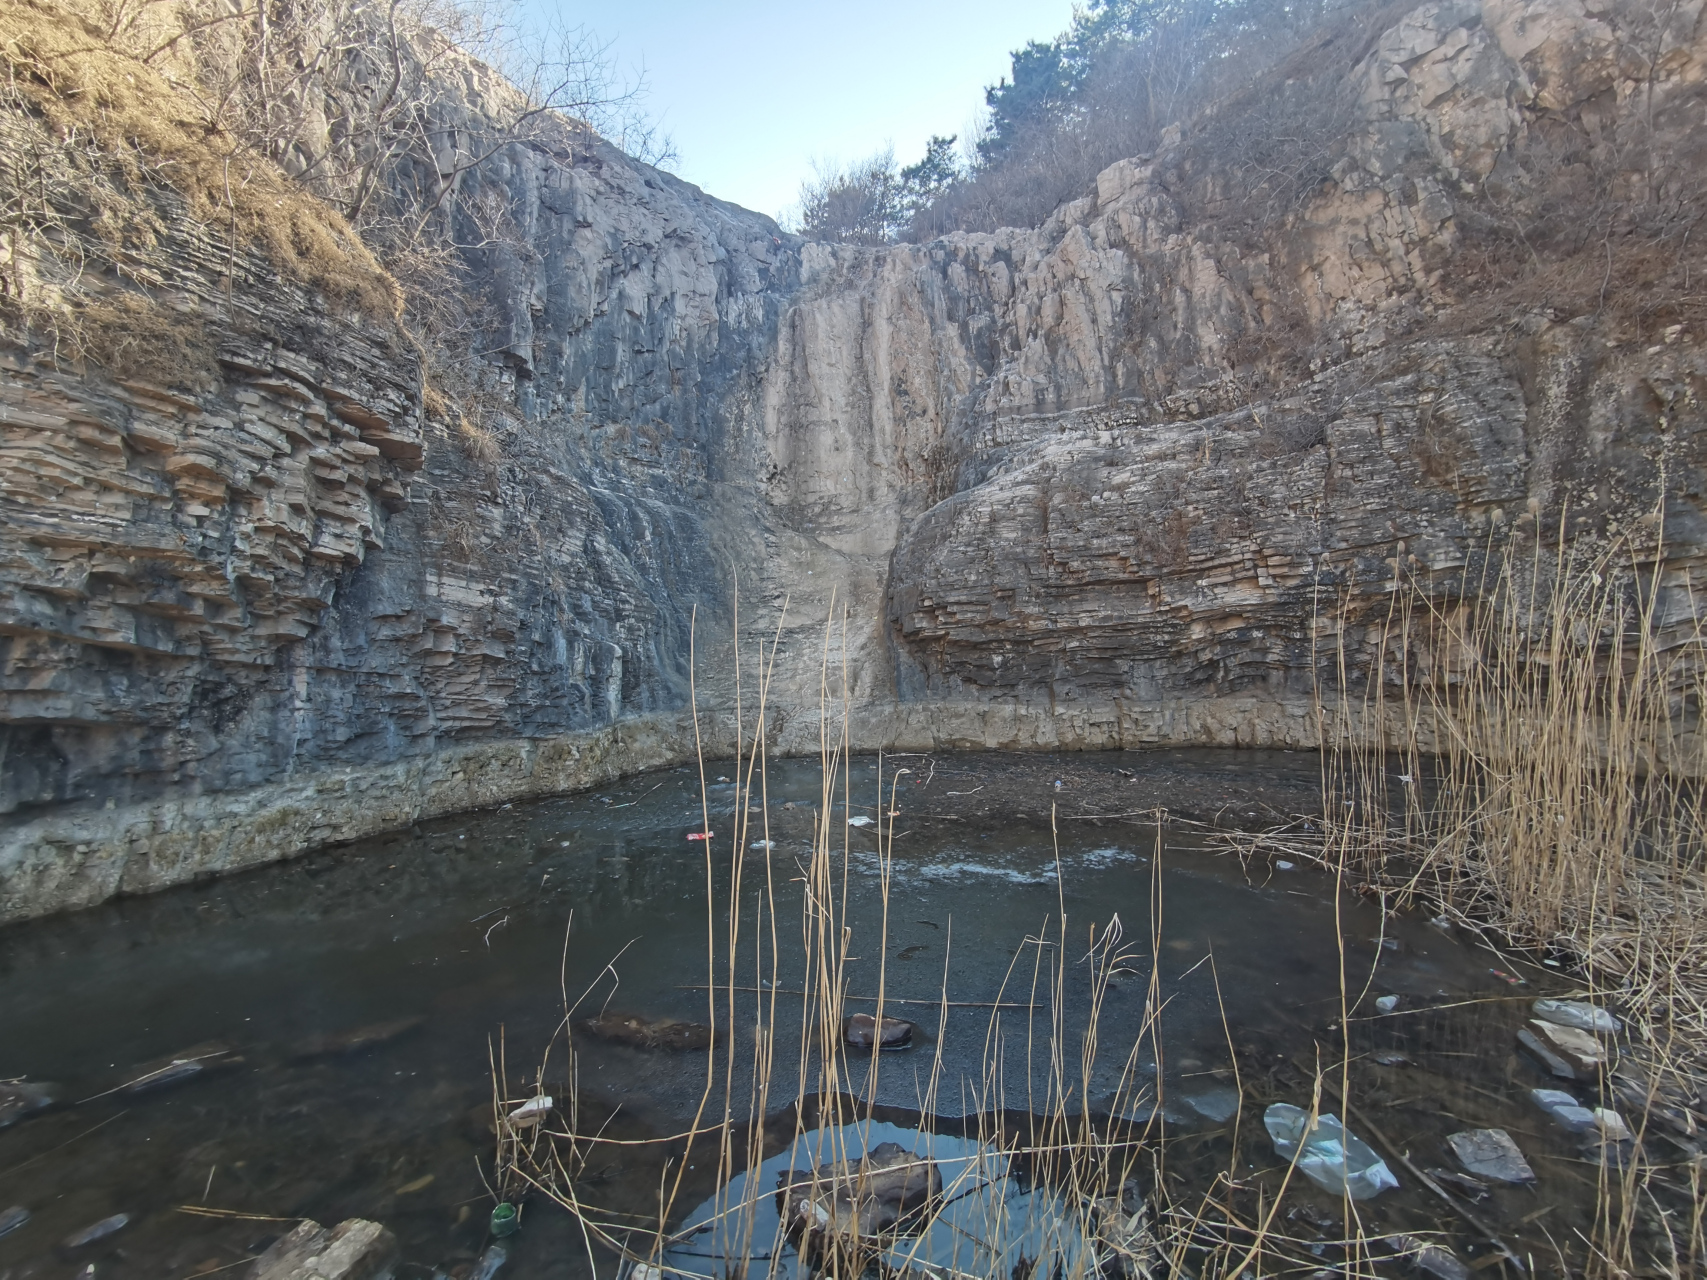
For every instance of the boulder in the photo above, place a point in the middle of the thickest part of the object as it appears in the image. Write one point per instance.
(648, 1033)
(355, 1249)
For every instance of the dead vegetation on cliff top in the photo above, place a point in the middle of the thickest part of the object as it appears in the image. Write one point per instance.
(151, 130)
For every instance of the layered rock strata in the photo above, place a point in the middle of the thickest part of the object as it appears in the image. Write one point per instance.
(1061, 487)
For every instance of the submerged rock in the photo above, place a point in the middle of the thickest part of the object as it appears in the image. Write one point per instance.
(1215, 1105)
(1491, 1154)
(355, 1249)
(95, 1231)
(204, 1059)
(1579, 1014)
(354, 1040)
(860, 1031)
(1472, 1189)
(647, 1033)
(23, 1097)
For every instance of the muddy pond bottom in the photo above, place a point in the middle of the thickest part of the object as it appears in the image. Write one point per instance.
(343, 1014)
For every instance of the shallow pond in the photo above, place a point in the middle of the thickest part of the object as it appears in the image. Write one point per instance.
(460, 936)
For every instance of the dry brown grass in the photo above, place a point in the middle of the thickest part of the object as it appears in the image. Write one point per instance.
(85, 87)
(1526, 754)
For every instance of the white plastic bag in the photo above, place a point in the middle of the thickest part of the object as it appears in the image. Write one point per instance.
(1333, 1159)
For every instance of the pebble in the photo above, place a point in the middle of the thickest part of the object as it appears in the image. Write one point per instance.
(97, 1231)
(13, 1218)
(1579, 1014)
(1491, 1154)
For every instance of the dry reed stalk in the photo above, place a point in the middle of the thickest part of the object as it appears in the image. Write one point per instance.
(1092, 1164)
(1526, 755)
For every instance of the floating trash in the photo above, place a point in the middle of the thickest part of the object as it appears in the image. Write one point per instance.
(1386, 1004)
(505, 1220)
(986, 1224)
(701, 835)
(861, 821)
(1332, 1158)
(530, 1112)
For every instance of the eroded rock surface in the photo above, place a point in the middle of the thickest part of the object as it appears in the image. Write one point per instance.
(1075, 486)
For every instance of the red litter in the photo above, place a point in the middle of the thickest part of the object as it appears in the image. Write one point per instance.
(701, 835)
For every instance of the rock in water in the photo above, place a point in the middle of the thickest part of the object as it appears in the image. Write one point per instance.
(355, 1249)
(1579, 1014)
(1215, 1105)
(1579, 1051)
(836, 1205)
(24, 1098)
(355, 1040)
(648, 1033)
(1564, 1109)
(1491, 1154)
(199, 1060)
(860, 1031)
(95, 1231)
(1472, 1189)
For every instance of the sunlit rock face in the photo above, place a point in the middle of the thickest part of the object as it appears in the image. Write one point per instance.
(1090, 484)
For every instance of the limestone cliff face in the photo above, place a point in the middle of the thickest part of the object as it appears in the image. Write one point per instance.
(1069, 484)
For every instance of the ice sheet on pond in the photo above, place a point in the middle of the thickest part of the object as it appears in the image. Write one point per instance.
(988, 1221)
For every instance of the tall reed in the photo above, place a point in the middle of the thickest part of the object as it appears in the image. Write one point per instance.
(1518, 741)
(1114, 1213)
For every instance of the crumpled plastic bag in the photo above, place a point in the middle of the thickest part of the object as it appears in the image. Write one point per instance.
(1333, 1159)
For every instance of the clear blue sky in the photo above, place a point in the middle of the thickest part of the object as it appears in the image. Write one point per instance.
(754, 91)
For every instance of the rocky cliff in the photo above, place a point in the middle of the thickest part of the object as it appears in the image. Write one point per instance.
(1081, 485)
